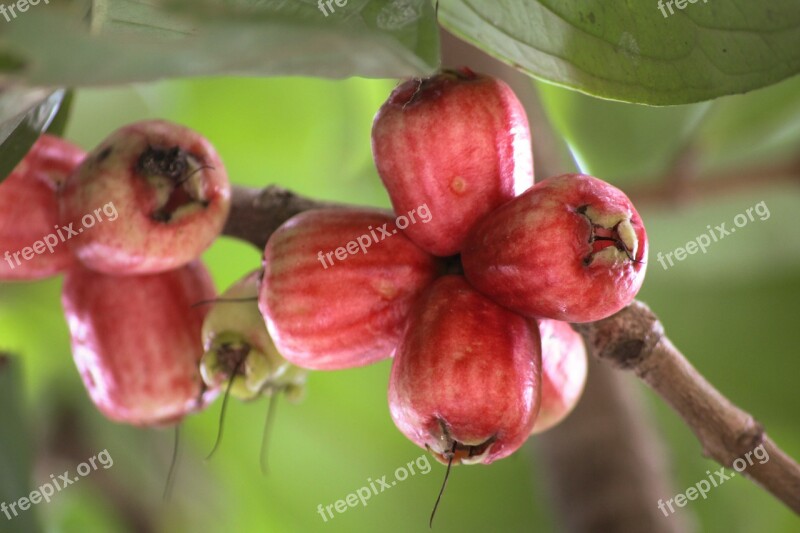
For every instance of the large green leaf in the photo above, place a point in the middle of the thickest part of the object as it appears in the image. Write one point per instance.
(122, 41)
(629, 51)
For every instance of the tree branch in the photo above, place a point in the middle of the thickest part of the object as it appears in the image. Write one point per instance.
(683, 184)
(634, 340)
(605, 469)
(256, 214)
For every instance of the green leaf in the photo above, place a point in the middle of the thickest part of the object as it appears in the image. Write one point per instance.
(16, 462)
(19, 132)
(629, 51)
(124, 41)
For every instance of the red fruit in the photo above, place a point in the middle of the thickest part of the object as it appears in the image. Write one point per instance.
(572, 248)
(136, 341)
(29, 238)
(563, 372)
(466, 375)
(457, 143)
(326, 313)
(170, 189)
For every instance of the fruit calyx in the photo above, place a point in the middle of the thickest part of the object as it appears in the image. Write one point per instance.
(612, 238)
(231, 358)
(426, 88)
(449, 449)
(176, 177)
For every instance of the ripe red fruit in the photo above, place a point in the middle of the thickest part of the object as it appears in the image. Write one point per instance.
(457, 142)
(564, 366)
(171, 192)
(572, 248)
(466, 378)
(136, 341)
(333, 295)
(29, 240)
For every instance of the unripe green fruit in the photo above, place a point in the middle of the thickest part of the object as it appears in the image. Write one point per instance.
(238, 346)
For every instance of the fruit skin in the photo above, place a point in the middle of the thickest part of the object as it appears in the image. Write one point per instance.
(466, 371)
(171, 191)
(234, 335)
(545, 254)
(457, 142)
(350, 313)
(29, 210)
(564, 368)
(136, 341)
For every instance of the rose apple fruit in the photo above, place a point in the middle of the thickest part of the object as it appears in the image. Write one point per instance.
(136, 341)
(572, 248)
(169, 187)
(30, 238)
(457, 143)
(466, 381)
(238, 347)
(333, 295)
(564, 366)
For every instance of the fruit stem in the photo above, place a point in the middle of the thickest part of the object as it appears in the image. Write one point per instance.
(225, 405)
(173, 465)
(272, 401)
(450, 455)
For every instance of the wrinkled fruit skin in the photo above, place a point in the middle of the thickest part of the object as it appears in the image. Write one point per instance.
(347, 314)
(235, 338)
(170, 190)
(564, 367)
(467, 371)
(457, 142)
(572, 248)
(136, 341)
(29, 208)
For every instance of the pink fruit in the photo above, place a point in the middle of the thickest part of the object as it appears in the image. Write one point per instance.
(29, 239)
(572, 248)
(564, 367)
(171, 192)
(136, 341)
(457, 143)
(333, 295)
(466, 378)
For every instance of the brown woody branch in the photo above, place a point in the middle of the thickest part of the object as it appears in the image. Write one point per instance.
(606, 464)
(632, 340)
(256, 214)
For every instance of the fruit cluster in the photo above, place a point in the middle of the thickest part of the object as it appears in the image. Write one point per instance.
(472, 301)
(147, 353)
(473, 304)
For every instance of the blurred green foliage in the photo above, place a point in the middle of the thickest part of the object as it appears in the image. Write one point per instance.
(731, 310)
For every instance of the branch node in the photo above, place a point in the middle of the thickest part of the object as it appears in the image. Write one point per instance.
(626, 339)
